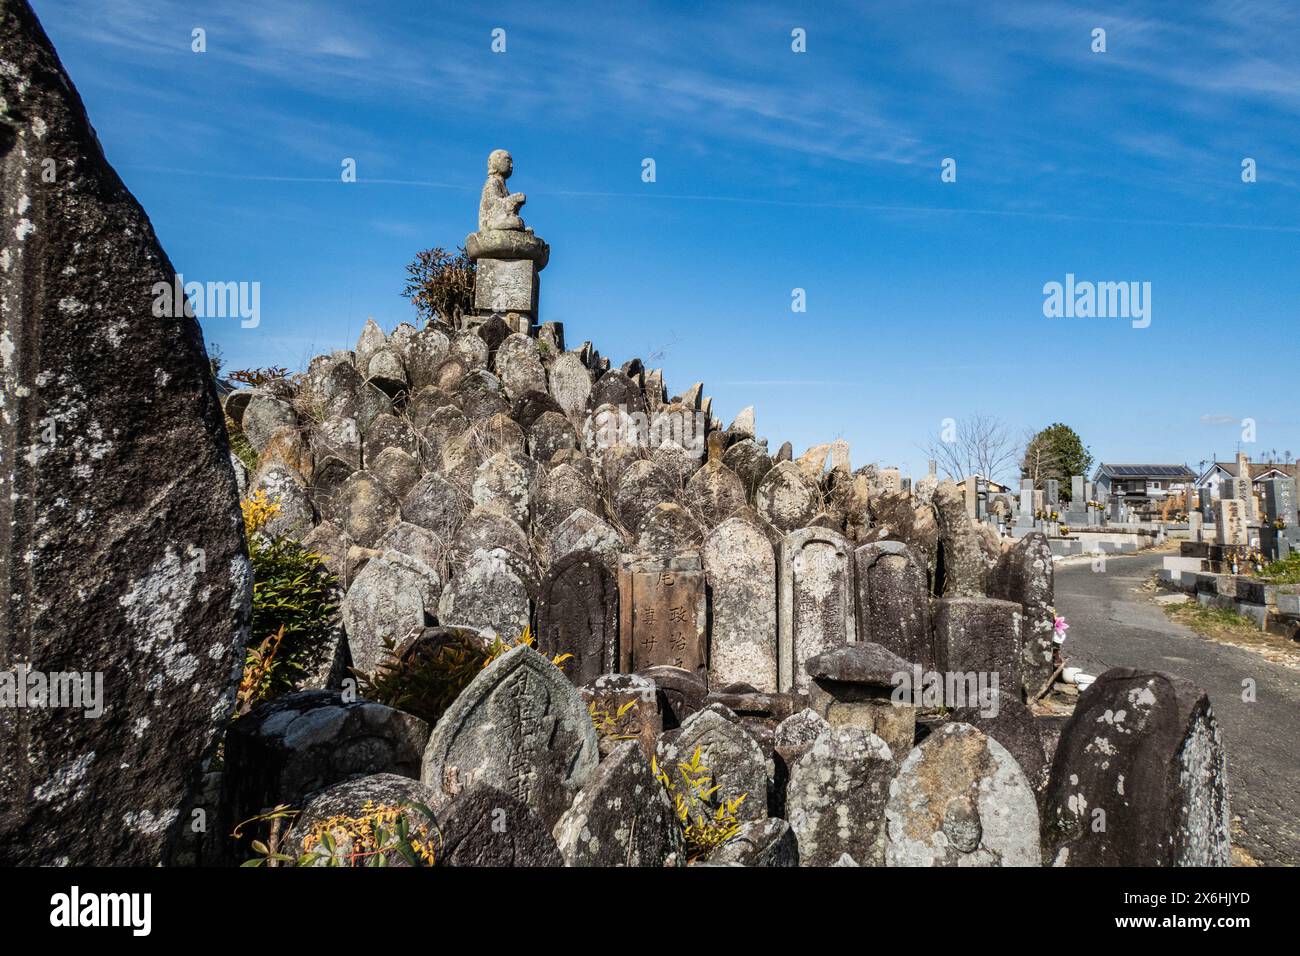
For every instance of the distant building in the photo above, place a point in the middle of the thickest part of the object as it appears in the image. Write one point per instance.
(1142, 484)
(994, 487)
(1221, 471)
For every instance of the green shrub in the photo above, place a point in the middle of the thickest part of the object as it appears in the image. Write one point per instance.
(294, 606)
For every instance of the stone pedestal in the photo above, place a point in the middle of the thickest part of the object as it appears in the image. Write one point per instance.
(504, 286)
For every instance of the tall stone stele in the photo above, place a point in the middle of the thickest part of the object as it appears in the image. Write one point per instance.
(122, 555)
(507, 255)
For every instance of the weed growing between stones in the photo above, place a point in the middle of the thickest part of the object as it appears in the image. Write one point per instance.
(240, 445)
(441, 285)
(259, 673)
(423, 679)
(609, 723)
(380, 834)
(258, 377)
(705, 827)
(294, 606)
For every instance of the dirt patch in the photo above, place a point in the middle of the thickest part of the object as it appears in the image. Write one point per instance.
(1227, 627)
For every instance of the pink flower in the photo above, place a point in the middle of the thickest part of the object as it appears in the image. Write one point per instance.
(1060, 626)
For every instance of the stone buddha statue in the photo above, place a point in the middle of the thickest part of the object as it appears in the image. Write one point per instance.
(501, 231)
(498, 208)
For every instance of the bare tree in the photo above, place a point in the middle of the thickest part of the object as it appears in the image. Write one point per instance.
(979, 444)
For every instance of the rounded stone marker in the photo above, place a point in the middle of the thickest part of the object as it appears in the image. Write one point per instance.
(960, 799)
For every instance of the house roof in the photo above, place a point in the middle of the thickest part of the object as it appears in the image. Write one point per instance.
(1132, 472)
(1258, 469)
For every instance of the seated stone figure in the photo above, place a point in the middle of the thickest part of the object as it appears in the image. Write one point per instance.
(499, 208)
(501, 231)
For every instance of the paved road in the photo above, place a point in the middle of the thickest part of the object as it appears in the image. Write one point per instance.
(1114, 624)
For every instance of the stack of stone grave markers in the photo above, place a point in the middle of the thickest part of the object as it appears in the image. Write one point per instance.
(716, 599)
(759, 608)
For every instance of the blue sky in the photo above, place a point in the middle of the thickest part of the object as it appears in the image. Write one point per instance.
(775, 170)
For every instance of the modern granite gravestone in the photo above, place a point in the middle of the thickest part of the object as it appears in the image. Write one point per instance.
(122, 549)
(662, 613)
(1139, 777)
(578, 614)
(817, 600)
(519, 726)
(740, 570)
(1025, 516)
(893, 606)
(1280, 501)
(1052, 493)
(1230, 523)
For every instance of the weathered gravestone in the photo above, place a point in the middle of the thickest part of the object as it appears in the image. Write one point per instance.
(342, 811)
(1139, 777)
(714, 492)
(123, 552)
(787, 497)
(734, 760)
(487, 593)
(980, 636)
(621, 817)
(679, 693)
(668, 529)
(624, 707)
(662, 613)
(740, 569)
(961, 564)
(386, 603)
(816, 605)
(300, 743)
(570, 384)
(519, 726)
(1006, 719)
(854, 685)
(759, 843)
(584, 531)
(893, 607)
(577, 615)
(836, 799)
(488, 827)
(960, 799)
(1024, 575)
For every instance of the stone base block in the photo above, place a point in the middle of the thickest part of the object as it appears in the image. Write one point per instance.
(506, 285)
